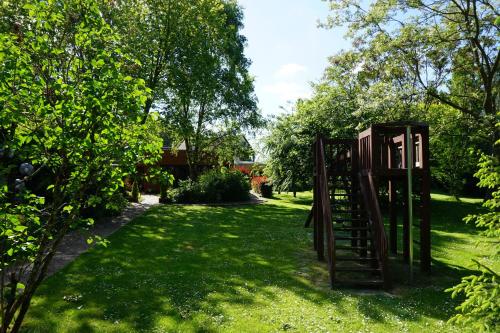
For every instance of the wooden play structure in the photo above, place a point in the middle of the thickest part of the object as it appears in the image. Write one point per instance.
(350, 178)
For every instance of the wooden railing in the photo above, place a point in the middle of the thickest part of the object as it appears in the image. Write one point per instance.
(370, 198)
(323, 228)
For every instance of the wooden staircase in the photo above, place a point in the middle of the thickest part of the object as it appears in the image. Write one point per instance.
(355, 255)
(347, 218)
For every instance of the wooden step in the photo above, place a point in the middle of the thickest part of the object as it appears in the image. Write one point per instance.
(358, 269)
(341, 202)
(357, 259)
(353, 229)
(352, 238)
(347, 211)
(345, 247)
(342, 220)
(375, 283)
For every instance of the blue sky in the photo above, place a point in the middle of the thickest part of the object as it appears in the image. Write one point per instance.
(287, 49)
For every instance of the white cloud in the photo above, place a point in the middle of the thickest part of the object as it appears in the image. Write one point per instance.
(287, 91)
(289, 70)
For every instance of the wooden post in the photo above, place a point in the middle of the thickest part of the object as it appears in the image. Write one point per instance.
(320, 239)
(310, 217)
(393, 217)
(354, 189)
(393, 211)
(315, 196)
(406, 220)
(409, 168)
(425, 222)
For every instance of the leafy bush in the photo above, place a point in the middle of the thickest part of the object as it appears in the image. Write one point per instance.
(187, 192)
(166, 180)
(135, 196)
(213, 186)
(111, 205)
(225, 185)
(65, 101)
(262, 186)
(266, 190)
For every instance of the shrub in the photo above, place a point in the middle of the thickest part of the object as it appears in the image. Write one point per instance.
(243, 169)
(135, 192)
(115, 204)
(225, 185)
(213, 186)
(188, 191)
(111, 205)
(165, 180)
(266, 189)
(256, 183)
(262, 186)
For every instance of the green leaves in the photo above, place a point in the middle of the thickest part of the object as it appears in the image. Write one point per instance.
(481, 307)
(66, 104)
(430, 46)
(68, 209)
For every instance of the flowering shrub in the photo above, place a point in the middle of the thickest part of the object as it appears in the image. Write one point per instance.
(262, 186)
(242, 169)
(256, 183)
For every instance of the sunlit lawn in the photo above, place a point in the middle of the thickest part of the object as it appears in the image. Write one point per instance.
(243, 269)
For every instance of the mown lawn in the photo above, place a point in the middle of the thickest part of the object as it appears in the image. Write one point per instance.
(244, 269)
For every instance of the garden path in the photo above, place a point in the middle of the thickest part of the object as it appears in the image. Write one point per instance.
(75, 242)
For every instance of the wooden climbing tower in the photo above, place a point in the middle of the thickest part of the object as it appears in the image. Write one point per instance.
(349, 175)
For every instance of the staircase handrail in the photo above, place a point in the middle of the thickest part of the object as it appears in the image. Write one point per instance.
(376, 221)
(325, 206)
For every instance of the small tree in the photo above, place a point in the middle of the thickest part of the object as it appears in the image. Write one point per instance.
(481, 307)
(64, 102)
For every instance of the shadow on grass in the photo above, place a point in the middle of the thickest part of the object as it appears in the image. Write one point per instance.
(181, 263)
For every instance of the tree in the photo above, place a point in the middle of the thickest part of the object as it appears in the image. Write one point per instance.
(153, 30)
(448, 49)
(209, 94)
(331, 112)
(454, 136)
(191, 56)
(481, 307)
(289, 162)
(64, 102)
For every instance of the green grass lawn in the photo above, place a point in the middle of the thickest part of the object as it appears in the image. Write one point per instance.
(244, 269)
